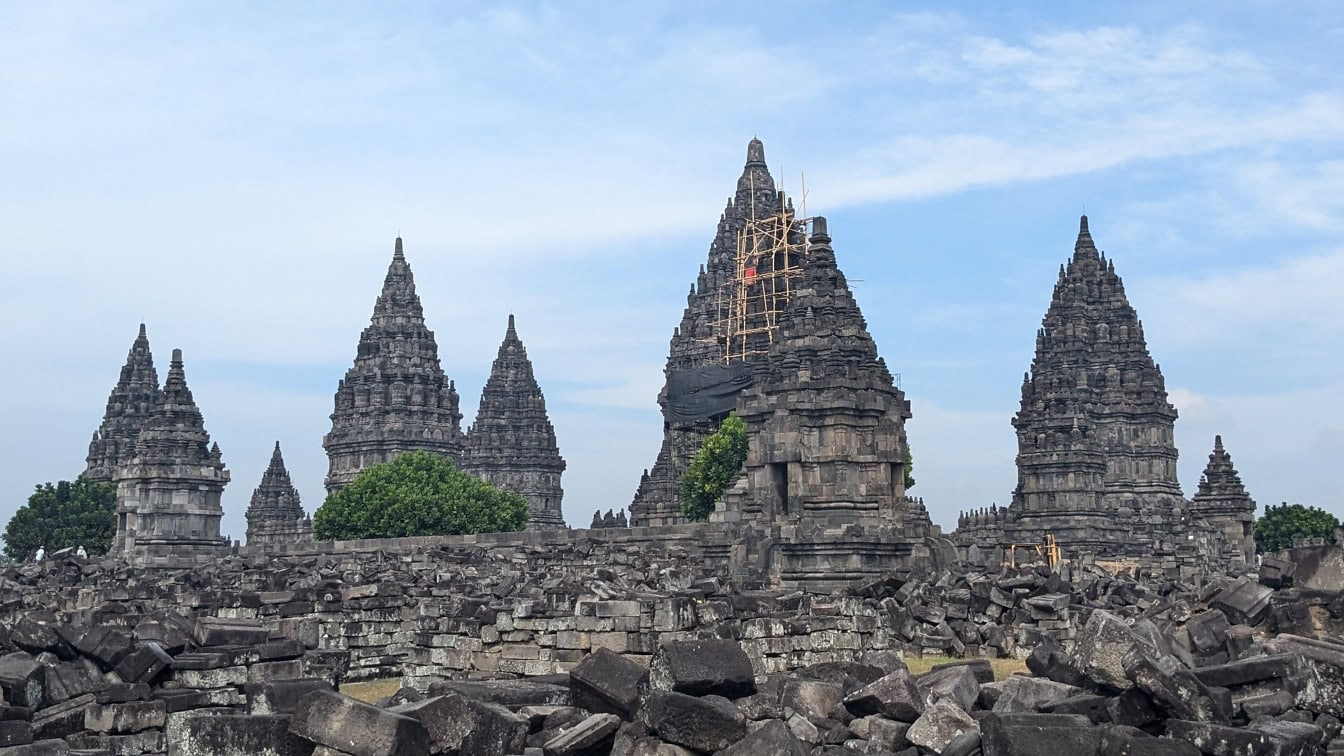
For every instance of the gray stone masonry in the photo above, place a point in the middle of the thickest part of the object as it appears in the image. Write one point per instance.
(512, 443)
(826, 434)
(168, 510)
(128, 407)
(1096, 460)
(275, 515)
(1222, 503)
(701, 338)
(395, 397)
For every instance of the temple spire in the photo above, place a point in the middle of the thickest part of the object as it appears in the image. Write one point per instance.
(128, 407)
(512, 443)
(395, 397)
(169, 493)
(1084, 244)
(275, 514)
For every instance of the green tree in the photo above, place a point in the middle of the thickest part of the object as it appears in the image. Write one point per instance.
(714, 468)
(82, 513)
(1279, 526)
(417, 494)
(909, 469)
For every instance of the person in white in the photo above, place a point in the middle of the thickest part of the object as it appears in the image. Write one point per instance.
(41, 554)
(82, 554)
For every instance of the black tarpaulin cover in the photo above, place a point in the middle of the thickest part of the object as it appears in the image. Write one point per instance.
(705, 392)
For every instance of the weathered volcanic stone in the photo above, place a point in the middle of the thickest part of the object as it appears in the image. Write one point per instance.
(461, 724)
(328, 718)
(939, 725)
(607, 682)
(956, 683)
(708, 724)
(702, 668)
(773, 738)
(128, 407)
(1174, 687)
(21, 679)
(512, 443)
(894, 696)
(1101, 649)
(395, 397)
(591, 737)
(241, 734)
(1038, 735)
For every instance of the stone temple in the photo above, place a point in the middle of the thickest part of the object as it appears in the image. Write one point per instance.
(395, 397)
(168, 493)
(128, 407)
(729, 323)
(275, 515)
(512, 443)
(1096, 455)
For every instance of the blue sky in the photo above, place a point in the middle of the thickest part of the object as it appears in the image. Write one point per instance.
(235, 175)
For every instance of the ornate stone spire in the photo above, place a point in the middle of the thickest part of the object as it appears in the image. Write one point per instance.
(1223, 504)
(826, 437)
(128, 406)
(825, 372)
(703, 337)
(512, 443)
(275, 514)
(1096, 460)
(395, 397)
(168, 508)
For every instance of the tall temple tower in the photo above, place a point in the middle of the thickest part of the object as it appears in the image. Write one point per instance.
(128, 407)
(1096, 457)
(1222, 504)
(826, 439)
(395, 397)
(168, 495)
(730, 322)
(512, 443)
(275, 515)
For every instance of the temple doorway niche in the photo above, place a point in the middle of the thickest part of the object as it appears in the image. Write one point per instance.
(779, 481)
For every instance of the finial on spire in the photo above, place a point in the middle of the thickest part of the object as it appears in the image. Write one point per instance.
(1082, 225)
(177, 356)
(1218, 443)
(397, 254)
(142, 329)
(755, 152)
(510, 321)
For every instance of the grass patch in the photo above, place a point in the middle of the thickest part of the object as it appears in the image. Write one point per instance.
(1003, 668)
(370, 691)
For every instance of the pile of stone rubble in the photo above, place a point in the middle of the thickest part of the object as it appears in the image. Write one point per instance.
(1235, 665)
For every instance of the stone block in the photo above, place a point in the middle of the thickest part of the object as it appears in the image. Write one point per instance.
(703, 667)
(212, 631)
(1100, 650)
(1020, 694)
(1174, 687)
(241, 734)
(14, 732)
(21, 679)
(1119, 740)
(957, 684)
(894, 696)
(1038, 735)
(144, 664)
(591, 737)
(1272, 738)
(280, 696)
(457, 724)
(773, 738)
(605, 682)
(328, 718)
(1245, 601)
(939, 725)
(125, 718)
(709, 724)
(814, 699)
